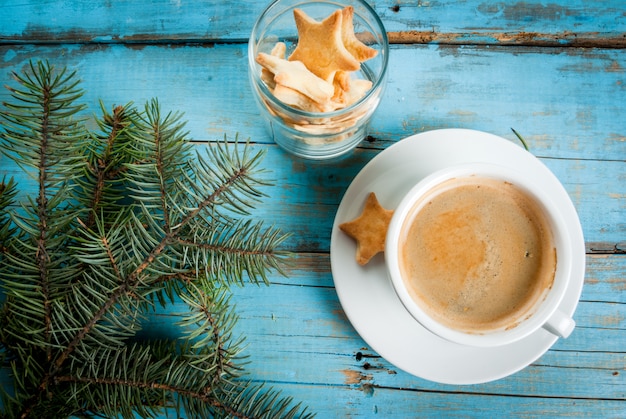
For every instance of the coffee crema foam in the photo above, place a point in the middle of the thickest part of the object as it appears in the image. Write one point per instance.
(477, 254)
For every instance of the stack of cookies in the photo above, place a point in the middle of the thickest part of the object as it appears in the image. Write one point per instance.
(318, 76)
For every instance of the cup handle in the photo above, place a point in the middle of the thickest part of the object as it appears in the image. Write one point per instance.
(560, 324)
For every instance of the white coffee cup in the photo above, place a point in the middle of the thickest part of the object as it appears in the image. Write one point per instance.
(544, 313)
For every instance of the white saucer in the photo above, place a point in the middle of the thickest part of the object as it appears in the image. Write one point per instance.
(366, 294)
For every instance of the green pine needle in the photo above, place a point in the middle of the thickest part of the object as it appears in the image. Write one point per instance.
(521, 139)
(125, 217)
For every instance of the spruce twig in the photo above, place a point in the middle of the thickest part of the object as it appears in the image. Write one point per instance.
(521, 139)
(125, 217)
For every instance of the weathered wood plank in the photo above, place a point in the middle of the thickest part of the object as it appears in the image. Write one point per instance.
(304, 198)
(449, 86)
(317, 203)
(353, 401)
(580, 23)
(304, 323)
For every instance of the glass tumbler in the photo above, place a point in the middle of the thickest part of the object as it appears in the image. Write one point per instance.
(317, 135)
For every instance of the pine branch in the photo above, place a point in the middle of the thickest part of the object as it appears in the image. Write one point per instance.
(8, 191)
(209, 327)
(102, 185)
(39, 134)
(231, 254)
(123, 217)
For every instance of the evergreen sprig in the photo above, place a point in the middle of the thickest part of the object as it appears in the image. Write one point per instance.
(122, 219)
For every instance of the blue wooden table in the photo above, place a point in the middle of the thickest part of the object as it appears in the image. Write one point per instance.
(554, 71)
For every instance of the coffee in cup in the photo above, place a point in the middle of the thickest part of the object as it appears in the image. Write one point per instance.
(476, 253)
(480, 257)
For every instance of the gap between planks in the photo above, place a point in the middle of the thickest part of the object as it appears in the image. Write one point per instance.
(534, 39)
(529, 39)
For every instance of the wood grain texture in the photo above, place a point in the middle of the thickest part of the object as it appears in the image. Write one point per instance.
(304, 197)
(554, 71)
(297, 335)
(532, 22)
(483, 88)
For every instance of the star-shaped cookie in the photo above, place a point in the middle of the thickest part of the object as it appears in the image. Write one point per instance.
(358, 49)
(295, 75)
(320, 45)
(369, 229)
